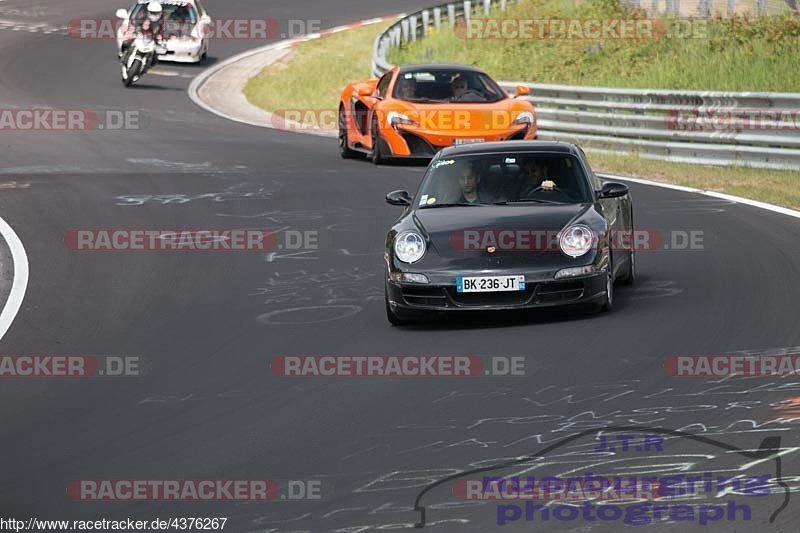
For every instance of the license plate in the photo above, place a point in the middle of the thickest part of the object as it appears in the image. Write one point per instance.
(457, 142)
(490, 284)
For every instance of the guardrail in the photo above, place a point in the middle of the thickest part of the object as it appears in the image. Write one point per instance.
(701, 127)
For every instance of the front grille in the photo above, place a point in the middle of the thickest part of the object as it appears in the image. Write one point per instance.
(479, 299)
(559, 291)
(418, 146)
(424, 296)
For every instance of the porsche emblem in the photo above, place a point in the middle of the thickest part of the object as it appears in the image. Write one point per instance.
(491, 249)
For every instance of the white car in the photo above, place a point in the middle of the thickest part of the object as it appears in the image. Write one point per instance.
(185, 23)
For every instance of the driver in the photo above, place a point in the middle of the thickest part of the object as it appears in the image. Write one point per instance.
(152, 27)
(408, 88)
(538, 179)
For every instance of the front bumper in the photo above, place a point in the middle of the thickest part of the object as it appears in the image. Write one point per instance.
(415, 142)
(181, 51)
(439, 295)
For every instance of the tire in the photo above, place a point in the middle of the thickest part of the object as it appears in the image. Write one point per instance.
(608, 303)
(344, 147)
(630, 272)
(377, 152)
(136, 68)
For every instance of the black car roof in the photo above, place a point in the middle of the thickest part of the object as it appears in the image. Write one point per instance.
(510, 146)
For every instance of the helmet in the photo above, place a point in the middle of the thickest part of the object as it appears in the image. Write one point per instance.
(154, 11)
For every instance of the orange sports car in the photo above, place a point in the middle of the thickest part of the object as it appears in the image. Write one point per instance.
(416, 110)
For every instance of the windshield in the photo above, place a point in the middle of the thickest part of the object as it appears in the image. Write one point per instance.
(177, 16)
(447, 85)
(504, 179)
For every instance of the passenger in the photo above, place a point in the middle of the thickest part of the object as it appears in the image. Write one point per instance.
(459, 87)
(469, 180)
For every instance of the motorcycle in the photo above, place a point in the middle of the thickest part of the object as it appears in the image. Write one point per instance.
(139, 58)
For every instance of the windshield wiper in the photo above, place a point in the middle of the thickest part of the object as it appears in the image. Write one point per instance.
(431, 206)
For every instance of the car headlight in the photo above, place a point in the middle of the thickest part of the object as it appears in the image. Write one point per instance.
(409, 246)
(577, 240)
(394, 118)
(526, 117)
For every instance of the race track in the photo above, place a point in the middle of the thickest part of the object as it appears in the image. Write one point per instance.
(208, 325)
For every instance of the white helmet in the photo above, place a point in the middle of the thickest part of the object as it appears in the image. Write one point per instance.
(154, 11)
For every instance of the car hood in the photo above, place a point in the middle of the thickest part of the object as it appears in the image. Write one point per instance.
(519, 233)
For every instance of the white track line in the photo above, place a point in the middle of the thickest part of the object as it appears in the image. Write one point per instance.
(738, 199)
(20, 283)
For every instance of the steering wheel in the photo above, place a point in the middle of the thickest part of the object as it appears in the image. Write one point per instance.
(564, 193)
(470, 96)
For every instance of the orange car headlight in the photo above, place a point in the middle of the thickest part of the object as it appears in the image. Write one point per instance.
(526, 117)
(394, 118)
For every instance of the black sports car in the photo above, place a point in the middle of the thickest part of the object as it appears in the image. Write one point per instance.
(508, 225)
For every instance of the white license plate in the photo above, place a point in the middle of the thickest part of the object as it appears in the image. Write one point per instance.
(490, 284)
(457, 142)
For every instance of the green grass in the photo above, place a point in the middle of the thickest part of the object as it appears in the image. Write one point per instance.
(316, 72)
(735, 55)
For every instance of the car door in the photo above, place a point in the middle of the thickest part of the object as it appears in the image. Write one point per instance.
(381, 92)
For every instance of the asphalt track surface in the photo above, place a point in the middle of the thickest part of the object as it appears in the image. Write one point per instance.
(207, 325)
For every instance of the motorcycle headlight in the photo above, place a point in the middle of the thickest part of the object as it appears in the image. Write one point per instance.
(394, 118)
(577, 240)
(409, 246)
(526, 117)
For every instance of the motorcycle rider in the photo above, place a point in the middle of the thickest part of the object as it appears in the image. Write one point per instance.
(151, 26)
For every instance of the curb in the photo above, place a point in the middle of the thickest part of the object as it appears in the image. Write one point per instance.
(247, 113)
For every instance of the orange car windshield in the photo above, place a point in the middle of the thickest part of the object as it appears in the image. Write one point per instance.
(447, 85)
(504, 179)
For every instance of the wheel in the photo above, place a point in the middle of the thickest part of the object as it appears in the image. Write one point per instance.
(377, 151)
(630, 272)
(128, 75)
(344, 148)
(608, 302)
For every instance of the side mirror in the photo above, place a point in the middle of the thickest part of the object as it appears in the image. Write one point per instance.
(613, 190)
(365, 91)
(122, 14)
(523, 90)
(399, 198)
